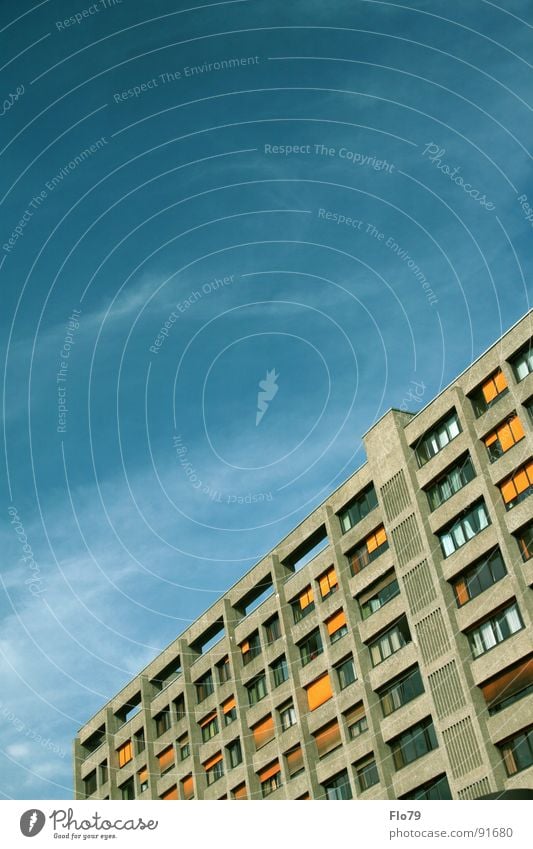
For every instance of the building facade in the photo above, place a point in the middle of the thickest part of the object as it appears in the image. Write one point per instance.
(383, 650)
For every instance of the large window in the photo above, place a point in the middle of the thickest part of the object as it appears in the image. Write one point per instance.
(214, 768)
(524, 538)
(507, 434)
(204, 686)
(327, 738)
(294, 759)
(413, 743)
(303, 605)
(272, 629)
(437, 788)
(250, 648)
(270, 778)
(522, 362)
(257, 689)
(509, 686)
(518, 486)
(378, 594)
(367, 772)
(162, 722)
(318, 692)
(437, 439)
(463, 529)
(311, 647)
(490, 391)
(263, 731)
(280, 670)
(358, 508)
(345, 672)
(450, 482)
(336, 626)
(367, 551)
(391, 641)
(328, 583)
(517, 753)
(165, 759)
(287, 715)
(209, 726)
(224, 670)
(479, 577)
(338, 787)
(495, 630)
(401, 691)
(125, 754)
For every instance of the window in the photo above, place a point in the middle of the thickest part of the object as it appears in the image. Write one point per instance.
(142, 777)
(295, 761)
(224, 670)
(517, 753)
(311, 647)
(522, 363)
(327, 738)
(239, 792)
(171, 793)
(413, 743)
(336, 626)
(165, 759)
(204, 686)
(358, 508)
(127, 790)
(303, 605)
(328, 583)
(179, 705)
(509, 686)
(272, 629)
(104, 772)
(479, 577)
(270, 778)
(356, 721)
(450, 482)
(234, 751)
(378, 595)
(390, 641)
(89, 783)
(367, 772)
(437, 439)
(250, 648)
(214, 768)
(257, 690)
(229, 710)
(280, 670)
(140, 743)
(494, 388)
(401, 691)
(162, 722)
(437, 788)
(463, 529)
(125, 754)
(495, 630)
(507, 434)
(338, 787)
(345, 672)
(318, 692)
(518, 486)
(209, 726)
(184, 747)
(287, 716)
(524, 537)
(263, 732)
(367, 551)
(187, 787)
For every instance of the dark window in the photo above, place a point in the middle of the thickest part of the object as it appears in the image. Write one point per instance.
(140, 743)
(273, 629)
(214, 771)
(522, 363)
(303, 605)
(414, 743)
(438, 438)
(250, 648)
(311, 647)
(224, 670)
(256, 690)
(104, 772)
(356, 721)
(450, 482)
(524, 538)
(345, 672)
(437, 788)
(509, 686)
(517, 753)
(287, 716)
(375, 597)
(234, 753)
(464, 528)
(338, 787)
(391, 641)
(367, 773)
(179, 704)
(280, 670)
(358, 508)
(479, 577)
(90, 783)
(162, 722)
(401, 691)
(127, 790)
(204, 686)
(209, 727)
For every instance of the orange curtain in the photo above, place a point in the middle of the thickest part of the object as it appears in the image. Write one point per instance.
(187, 787)
(143, 775)
(306, 598)
(461, 592)
(228, 705)
(516, 428)
(240, 792)
(319, 692)
(327, 738)
(500, 381)
(209, 718)
(166, 757)
(172, 793)
(295, 760)
(269, 771)
(336, 622)
(508, 682)
(264, 731)
(327, 581)
(215, 759)
(125, 753)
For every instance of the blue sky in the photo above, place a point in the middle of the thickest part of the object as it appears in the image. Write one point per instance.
(203, 214)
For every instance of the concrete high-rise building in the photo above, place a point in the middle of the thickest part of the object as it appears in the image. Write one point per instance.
(382, 650)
